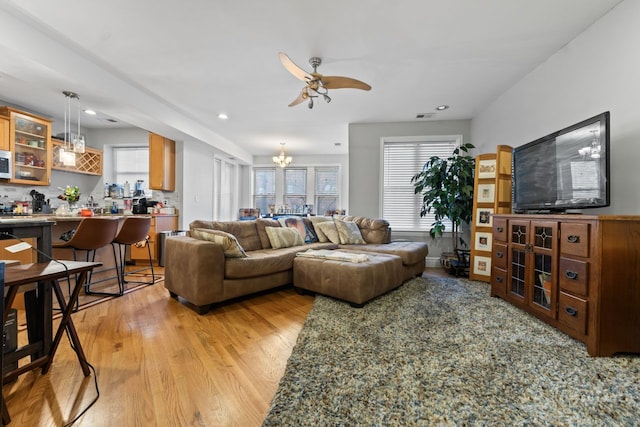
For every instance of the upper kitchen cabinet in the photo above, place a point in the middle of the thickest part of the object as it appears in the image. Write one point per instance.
(162, 163)
(4, 133)
(30, 144)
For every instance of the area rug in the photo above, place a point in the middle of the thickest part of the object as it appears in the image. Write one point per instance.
(443, 352)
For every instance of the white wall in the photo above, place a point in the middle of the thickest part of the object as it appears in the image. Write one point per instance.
(598, 71)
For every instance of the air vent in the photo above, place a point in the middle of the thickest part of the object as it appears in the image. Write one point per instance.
(425, 115)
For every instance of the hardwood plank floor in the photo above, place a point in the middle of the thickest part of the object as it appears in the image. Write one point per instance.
(158, 363)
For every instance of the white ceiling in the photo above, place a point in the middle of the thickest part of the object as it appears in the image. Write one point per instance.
(171, 67)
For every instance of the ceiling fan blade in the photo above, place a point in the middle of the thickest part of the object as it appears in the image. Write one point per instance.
(338, 82)
(301, 98)
(293, 68)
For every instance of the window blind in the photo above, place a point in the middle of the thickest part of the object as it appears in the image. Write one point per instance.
(401, 161)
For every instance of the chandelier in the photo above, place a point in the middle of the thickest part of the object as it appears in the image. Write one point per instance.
(74, 143)
(282, 160)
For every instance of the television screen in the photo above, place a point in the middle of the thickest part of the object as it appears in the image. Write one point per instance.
(568, 169)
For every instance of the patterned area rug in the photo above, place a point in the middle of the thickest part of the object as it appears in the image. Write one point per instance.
(442, 351)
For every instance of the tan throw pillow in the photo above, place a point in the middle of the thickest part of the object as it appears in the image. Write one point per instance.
(281, 237)
(329, 229)
(349, 233)
(230, 245)
(315, 220)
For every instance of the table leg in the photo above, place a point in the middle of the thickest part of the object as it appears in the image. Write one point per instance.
(8, 302)
(67, 323)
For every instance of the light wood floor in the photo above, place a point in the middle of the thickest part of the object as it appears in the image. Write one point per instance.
(158, 363)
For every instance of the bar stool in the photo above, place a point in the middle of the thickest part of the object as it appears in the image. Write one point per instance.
(91, 235)
(134, 230)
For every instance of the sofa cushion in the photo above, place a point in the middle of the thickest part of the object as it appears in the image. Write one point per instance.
(230, 245)
(409, 252)
(261, 223)
(374, 230)
(245, 231)
(297, 223)
(266, 261)
(330, 231)
(284, 237)
(315, 220)
(349, 233)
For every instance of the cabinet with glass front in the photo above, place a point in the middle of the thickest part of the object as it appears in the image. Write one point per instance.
(30, 145)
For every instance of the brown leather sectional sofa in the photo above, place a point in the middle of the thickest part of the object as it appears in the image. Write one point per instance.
(198, 270)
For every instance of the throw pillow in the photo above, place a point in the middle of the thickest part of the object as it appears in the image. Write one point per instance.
(230, 245)
(315, 220)
(349, 233)
(298, 224)
(283, 237)
(330, 231)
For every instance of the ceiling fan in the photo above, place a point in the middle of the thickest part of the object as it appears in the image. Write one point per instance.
(317, 84)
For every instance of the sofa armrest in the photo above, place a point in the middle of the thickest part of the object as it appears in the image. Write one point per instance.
(194, 269)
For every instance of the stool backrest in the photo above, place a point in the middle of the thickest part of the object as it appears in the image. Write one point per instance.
(94, 233)
(134, 229)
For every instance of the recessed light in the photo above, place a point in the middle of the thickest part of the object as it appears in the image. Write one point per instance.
(90, 112)
(223, 116)
(442, 107)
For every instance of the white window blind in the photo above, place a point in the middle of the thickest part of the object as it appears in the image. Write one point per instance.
(295, 188)
(326, 189)
(264, 188)
(131, 164)
(402, 160)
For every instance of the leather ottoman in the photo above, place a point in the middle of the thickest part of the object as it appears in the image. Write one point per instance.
(354, 282)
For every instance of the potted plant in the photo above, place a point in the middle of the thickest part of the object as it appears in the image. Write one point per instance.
(446, 186)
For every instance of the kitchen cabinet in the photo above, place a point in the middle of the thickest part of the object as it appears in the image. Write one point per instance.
(162, 163)
(159, 223)
(4, 133)
(89, 162)
(577, 273)
(30, 144)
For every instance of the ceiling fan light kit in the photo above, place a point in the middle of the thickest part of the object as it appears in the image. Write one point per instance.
(318, 85)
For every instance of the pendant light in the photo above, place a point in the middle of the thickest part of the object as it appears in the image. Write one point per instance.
(74, 143)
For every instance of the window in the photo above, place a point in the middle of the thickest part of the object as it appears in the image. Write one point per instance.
(295, 189)
(264, 188)
(402, 159)
(131, 164)
(326, 189)
(311, 189)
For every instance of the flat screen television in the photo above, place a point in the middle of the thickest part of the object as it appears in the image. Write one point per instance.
(565, 170)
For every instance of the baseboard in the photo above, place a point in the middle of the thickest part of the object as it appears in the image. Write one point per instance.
(432, 262)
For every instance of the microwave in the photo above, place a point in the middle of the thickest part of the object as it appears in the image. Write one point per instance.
(5, 164)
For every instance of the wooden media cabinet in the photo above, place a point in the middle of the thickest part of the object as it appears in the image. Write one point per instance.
(578, 273)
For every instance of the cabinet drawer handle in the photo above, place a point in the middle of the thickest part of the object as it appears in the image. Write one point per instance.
(571, 275)
(571, 311)
(499, 279)
(573, 238)
(500, 229)
(499, 254)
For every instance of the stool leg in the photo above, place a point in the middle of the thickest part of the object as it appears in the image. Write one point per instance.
(87, 286)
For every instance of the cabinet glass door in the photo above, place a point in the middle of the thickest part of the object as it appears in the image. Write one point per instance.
(518, 231)
(31, 150)
(543, 247)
